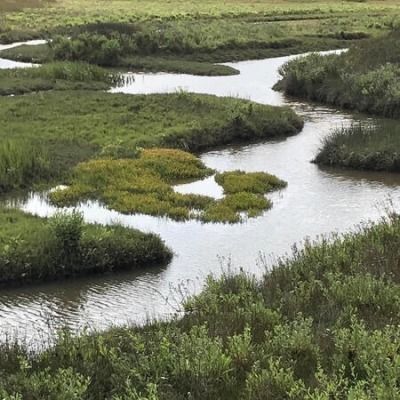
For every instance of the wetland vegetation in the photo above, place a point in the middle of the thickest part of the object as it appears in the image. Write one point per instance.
(34, 249)
(366, 78)
(368, 147)
(75, 126)
(186, 36)
(322, 324)
(56, 76)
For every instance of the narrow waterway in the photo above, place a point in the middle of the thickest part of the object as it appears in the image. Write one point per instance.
(315, 202)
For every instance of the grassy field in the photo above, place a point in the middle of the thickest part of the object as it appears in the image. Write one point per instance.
(323, 324)
(154, 35)
(35, 250)
(74, 126)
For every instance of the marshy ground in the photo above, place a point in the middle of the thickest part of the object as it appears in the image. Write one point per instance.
(323, 323)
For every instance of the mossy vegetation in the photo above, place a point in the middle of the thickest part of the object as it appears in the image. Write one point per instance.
(322, 324)
(363, 146)
(37, 250)
(366, 78)
(144, 185)
(75, 126)
(57, 76)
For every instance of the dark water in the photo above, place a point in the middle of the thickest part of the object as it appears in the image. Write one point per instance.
(315, 202)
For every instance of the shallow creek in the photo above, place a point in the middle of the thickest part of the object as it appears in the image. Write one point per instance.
(316, 201)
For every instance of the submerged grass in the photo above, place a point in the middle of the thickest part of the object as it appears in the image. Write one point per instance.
(36, 250)
(75, 126)
(322, 324)
(366, 147)
(144, 185)
(56, 76)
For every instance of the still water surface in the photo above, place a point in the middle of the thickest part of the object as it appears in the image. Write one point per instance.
(315, 202)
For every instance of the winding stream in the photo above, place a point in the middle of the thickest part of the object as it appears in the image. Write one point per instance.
(315, 202)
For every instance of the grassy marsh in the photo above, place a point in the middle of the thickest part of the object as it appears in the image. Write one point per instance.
(365, 147)
(144, 185)
(366, 78)
(150, 36)
(322, 324)
(75, 126)
(35, 250)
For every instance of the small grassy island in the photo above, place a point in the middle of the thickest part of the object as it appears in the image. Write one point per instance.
(144, 185)
(34, 249)
(322, 325)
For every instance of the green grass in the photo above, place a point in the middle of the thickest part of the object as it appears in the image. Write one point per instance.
(56, 76)
(22, 163)
(37, 250)
(74, 126)
(144, 185)
(365, 147)
(365, 79)
(323, 324)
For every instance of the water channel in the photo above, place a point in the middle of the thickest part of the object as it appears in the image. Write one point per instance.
(317, 201)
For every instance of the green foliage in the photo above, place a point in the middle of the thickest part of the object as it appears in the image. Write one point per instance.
(369, 147)
(144, 185)
(366, 78)
(322, 324)
(35, 250)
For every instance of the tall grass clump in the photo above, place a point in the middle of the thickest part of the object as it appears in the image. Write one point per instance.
(38, 250)
(322, 324)
(366, 78)
(367, 147)
(22, 163)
